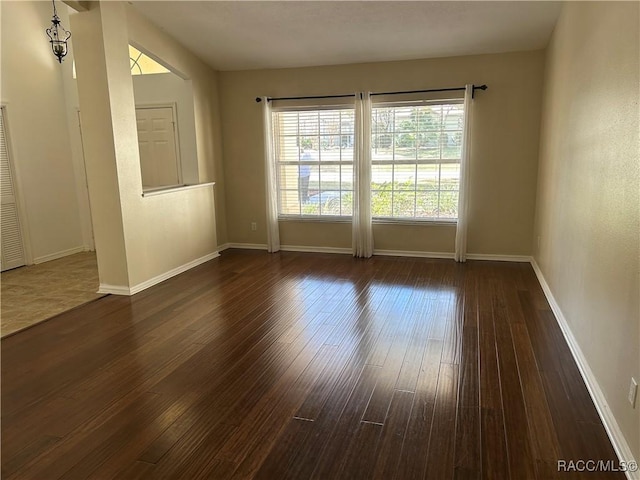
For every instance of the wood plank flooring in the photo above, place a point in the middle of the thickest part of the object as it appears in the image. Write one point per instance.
(299, 366)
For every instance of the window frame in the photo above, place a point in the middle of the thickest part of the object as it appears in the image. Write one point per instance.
(378, 220)
(401, 220)
(300, 217)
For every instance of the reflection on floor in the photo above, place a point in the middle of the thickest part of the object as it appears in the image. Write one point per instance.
(37, 292)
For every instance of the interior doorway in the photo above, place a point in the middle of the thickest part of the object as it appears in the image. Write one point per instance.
(157, 143)
(34, 292)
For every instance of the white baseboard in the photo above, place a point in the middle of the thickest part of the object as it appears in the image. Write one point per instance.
(305, 248)
(618, 441)
(286, 248)
(499, 258)
(122, 290)
(390, 253)
(172, 273)
(56, 255)
(113, 289)
(413, 253)
(246, 246)
(223, 247)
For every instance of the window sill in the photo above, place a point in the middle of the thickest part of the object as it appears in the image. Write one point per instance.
(376, 221)
(314, 218)
(152, 192)
(411, 221)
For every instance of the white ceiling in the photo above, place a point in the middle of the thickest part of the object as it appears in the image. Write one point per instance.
(244, 35)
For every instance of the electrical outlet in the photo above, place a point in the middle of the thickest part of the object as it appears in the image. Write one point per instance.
(633, 392)
(254, 226)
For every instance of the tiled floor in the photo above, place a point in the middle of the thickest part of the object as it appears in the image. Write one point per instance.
(37, 292)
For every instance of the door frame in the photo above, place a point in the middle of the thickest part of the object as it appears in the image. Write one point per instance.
(176, 135)
(17, 186)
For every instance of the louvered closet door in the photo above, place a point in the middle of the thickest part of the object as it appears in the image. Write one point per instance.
(12, 246)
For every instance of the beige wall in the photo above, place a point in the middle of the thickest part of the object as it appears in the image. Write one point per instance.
(587, 219)
(137, 238)
(505, 148)
(33, 91)
(204, 82)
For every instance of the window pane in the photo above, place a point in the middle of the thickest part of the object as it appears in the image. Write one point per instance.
(404, 118)
(405, 177)
(427, 204)
(448, 204)
(308, 144)
(346, 203)
(346, 177)
(429, 119)
(330, 148)
(450, 176)
(304, 139)
(382, 121)
(330, 177)
(289, 204)
(381, 203)
(286, 123)
(428, 177)
(330, 202)
(452, 145)
(308, 123)
(405, 144)
(429, 152)
(310, 209)
(288, 177)
(314, 180)
(346, 187)
(453, 117)
(142, 64)
(381, 175)
(382, 146)
(404, 203)
(347, 120)
(287, 150)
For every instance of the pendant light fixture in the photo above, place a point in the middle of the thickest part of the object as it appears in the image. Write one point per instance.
(58, 36)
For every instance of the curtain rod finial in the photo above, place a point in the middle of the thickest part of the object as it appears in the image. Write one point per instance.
(258, 99)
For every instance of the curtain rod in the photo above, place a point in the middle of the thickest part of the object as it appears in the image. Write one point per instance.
(480, 87)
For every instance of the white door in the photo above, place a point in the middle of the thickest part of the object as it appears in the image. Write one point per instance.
(157, 144)
(13, 254)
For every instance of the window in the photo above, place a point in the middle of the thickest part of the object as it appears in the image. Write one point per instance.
(141, 64)
(416, 151)
(313, 150)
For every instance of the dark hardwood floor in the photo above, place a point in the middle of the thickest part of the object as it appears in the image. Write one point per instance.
(299, 366)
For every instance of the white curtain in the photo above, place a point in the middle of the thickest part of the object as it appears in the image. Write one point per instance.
(463, 200)
(273, 233)
(361, 220)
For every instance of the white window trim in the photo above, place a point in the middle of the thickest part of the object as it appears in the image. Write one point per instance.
(300, 216)
(418, 221)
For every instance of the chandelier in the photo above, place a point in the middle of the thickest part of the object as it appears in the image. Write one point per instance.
(58, 36)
